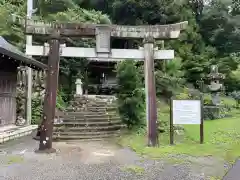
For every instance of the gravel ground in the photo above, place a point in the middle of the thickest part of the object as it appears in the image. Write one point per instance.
(96, 161)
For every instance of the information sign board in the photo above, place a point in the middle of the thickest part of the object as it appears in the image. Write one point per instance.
(186, 111)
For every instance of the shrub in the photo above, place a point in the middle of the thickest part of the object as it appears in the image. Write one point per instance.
(163, 121)
(170, 80)
(207, 100)
(37, 110)
(236, 96)
(130, 94)
(184, 95)
(61, 104)
(37, 106)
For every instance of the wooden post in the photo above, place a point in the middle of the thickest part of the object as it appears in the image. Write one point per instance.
(171, 122)
(202, 112)
(201, 88)
(46, 128)
(202, 121)
(29, 70)
(151, 104)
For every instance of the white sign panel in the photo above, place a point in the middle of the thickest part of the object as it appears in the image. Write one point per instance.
(186, 111)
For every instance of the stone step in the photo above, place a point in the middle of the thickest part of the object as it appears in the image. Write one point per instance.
(100, 110)
(74, 141)
(98, 103)
(88, 114)
(89, 129)
(91, 109)
(90, 119)
(92, 105)
(86, 137)
(99, 97)
(74, 123)
(101, 107)
(82, 133)
(92, 102)
(93, 99)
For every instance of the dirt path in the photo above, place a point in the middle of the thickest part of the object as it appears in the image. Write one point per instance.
(98, 161)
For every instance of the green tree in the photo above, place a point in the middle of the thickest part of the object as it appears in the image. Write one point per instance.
(170, 80)
(220, 28)
(235, 7)
(12, 32)
(51, 11)
(212, 36)
(130, 94)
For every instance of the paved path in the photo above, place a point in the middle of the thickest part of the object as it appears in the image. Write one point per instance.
(96, 161)
(234, 172)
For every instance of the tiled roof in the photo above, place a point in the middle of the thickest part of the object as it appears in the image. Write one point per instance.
(11, 51)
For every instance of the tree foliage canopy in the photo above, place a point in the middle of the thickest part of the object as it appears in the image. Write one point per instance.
(212, 37)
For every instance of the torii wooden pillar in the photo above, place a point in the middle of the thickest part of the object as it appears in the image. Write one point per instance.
(46, 128)
(150, 88)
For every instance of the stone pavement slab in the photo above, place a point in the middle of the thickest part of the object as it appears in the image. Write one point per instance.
(234, 172)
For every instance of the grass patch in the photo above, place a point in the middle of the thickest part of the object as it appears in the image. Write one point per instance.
(134, 169)
(14, 159)
(221, 139)
(228, 101)
(215, 178)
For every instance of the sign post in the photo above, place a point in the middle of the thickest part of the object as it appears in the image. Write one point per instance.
(186, 112)
(202, 121)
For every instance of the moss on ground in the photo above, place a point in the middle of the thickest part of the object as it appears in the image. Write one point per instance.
(133, 168)
(14, 159)
(215, 178)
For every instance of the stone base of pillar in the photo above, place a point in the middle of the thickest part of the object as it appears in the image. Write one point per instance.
(46, 151)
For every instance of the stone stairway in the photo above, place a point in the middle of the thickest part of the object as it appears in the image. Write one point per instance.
(87, 118)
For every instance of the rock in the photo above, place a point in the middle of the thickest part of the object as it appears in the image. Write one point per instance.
(20, 121)
(178, 127)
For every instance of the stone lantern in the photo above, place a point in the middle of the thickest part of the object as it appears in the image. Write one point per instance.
(79, 89)
(215, 84)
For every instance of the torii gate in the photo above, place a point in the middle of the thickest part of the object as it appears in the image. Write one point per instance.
(102, 52)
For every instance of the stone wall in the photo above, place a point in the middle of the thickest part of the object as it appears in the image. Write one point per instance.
(82, 102)
(38, 90)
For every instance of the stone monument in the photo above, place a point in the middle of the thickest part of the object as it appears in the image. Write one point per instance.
(79, 90)
(215, 84)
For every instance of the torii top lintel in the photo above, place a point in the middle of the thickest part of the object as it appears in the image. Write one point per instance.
(170, 31)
